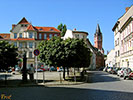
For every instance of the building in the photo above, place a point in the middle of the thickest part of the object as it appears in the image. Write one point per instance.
(75, 34)
(110, 60)
(26, 37)
(97, 58)
(124, 40)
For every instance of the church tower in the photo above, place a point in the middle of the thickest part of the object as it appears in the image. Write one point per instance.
(98, 39)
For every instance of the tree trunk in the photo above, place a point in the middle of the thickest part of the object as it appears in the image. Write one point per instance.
(64, 73)
(67, 71)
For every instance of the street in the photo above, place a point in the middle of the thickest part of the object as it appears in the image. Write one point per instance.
(103, 86)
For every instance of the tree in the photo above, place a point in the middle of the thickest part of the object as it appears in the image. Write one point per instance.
(8, 55)
(62, 28)
(66, 53)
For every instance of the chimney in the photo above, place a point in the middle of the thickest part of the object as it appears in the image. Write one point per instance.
(74, 29)
(127, 8)
(13, 25)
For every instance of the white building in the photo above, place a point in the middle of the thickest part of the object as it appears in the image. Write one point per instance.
(110, 60)
(75, 34)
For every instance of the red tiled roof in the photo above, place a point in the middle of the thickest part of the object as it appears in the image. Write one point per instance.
(23, 21)
(46, 29)
(31, 28)
(5, 35)
(24, 39)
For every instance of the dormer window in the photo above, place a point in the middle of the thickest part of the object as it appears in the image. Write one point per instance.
(41, 29)
(22, 25)
(5, 36)
(51, 30)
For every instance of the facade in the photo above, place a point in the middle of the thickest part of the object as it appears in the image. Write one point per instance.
(124, 27)
(110, 60)
(26, 37)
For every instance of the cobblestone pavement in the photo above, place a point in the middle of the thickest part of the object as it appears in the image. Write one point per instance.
(103, 86)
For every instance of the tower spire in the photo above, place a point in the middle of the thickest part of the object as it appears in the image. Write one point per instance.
(98, 31)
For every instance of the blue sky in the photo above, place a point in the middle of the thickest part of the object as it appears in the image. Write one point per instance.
(80, 14)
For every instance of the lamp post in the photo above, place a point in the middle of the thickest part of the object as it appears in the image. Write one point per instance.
(24, 69)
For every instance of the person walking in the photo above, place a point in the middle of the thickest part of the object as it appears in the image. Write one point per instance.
(31, 72)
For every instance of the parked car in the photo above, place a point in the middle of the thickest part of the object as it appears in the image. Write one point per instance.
(105, 69)
(60, 69)
(39, 70)
(52, 69)
(121, 72)
(115, 70)
(126, 73)
(130, 76)
(109, 70)
(17, 69)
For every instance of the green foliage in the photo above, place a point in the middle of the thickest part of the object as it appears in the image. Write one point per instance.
(66, 53)
(105, 55)
(8, 55)
(62, 28)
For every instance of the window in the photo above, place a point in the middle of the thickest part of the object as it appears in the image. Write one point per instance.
(35, 45)
(15, 35)
(30, 35)
(30, 54)
(30, 44)
(76, 35)
(55, 34)
(40, 36)
(25, 44)
(20, 35)
(115, 54)
(45, 36)
(20, 45)
(118, 53)
(50, 36)
(15, 44)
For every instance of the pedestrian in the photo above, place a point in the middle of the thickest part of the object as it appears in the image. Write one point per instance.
(31, 72)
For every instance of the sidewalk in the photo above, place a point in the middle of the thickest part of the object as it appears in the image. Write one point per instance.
(51, 79)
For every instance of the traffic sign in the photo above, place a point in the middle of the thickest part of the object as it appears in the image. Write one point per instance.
(36, 52)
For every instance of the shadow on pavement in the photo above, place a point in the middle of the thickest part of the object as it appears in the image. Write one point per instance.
(61, 93)
(102, 77)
